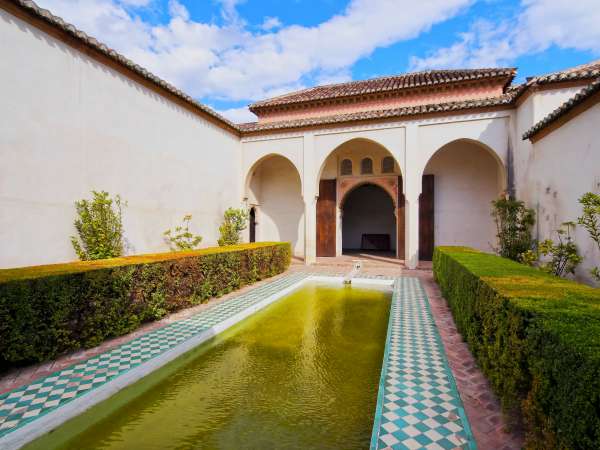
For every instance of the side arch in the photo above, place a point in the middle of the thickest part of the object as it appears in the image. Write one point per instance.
(255, 165)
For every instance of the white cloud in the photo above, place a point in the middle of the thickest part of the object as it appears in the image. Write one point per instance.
(230, 62)
(176, 9)
(271, 23)
(237, 115)
(539, 25)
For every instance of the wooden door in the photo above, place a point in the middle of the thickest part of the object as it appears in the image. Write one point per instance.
(400, 220)
(326, 218)
(426, 219)
(252, 224)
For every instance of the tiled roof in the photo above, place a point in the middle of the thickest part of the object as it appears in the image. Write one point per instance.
(563, 109)
(386, 84)
(588, 71)
(582, 72)
(406, 111)
(33, 9)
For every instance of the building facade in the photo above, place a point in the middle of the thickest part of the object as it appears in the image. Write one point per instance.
(398, 164)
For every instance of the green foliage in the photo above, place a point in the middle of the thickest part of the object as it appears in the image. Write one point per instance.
(234, 222)
(99, 226)
(564, 256)
(48, 310)
(513, 225)
(182, 238)
(590, 220)
(537, 339)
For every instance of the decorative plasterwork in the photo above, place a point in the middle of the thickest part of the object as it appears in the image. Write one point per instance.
(388, 183)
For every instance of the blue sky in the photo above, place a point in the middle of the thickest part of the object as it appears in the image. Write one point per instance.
(229, 53)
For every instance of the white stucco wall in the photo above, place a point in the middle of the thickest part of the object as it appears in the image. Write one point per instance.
(275, 191)
(562, 166)
(69, 125)
(466, 180)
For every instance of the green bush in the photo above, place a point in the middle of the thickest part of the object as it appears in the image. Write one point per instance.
(513, 225)
(49, 310)
(99, 226)
(537, 339)
(234, 222)
(182, 238)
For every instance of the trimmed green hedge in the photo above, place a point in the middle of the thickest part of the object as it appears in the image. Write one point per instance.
(48, 310)
(537, 339)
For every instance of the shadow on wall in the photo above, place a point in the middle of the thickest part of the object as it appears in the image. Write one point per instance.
(467, 178)
(276, 188)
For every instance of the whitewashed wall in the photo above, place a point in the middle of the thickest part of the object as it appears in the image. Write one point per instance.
(561, 167)
(69, 124)
(275, 189)
(466, 179)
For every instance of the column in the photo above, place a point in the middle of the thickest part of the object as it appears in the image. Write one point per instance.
(412, 190)
(310, 199)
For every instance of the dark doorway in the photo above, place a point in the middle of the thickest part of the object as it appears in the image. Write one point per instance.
(252, 224)
(368, 221)
(326, 218)
(426, 219)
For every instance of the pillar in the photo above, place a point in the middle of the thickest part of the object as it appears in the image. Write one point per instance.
(412, 190)
(310, 199)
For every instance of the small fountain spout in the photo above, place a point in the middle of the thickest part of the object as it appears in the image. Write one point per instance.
(356, 267)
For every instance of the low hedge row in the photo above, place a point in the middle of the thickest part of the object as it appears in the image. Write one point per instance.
(537, 339)
(49, 310)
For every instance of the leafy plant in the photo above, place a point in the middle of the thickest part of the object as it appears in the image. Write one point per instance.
(182, 238)
(79, 305)
(99, 226)
(564, 256)
(536, 337)
(590, 220)
(234, 222)
(513, 225)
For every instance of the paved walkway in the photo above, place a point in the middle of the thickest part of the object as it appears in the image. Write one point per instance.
(481, 406)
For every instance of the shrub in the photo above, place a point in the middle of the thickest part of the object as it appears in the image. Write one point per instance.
(182, 238)
(49, 310)
(234, 222)
(537, 339)
(590, 220)
(99, 226)
(513, 224)
(564, 256)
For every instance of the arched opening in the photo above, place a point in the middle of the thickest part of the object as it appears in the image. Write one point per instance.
(252, 224)
(275, 192)
(368, 220)
(336, 179)
(460, 181)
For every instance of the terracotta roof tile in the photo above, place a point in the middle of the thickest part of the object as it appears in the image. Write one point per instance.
(386, 84)
(407, 111)
(563, 109)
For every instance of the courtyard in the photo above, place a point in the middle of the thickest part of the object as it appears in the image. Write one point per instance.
(318, 225)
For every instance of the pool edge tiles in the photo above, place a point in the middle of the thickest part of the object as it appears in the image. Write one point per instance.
(37, 408)
(418, 404)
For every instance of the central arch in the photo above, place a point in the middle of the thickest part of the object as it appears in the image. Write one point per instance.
(355, 163)
(368, 220)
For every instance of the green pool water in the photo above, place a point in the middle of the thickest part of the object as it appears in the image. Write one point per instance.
(301, 374)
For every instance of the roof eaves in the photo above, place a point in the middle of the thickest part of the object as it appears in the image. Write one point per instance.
(563, 109)
(504, 100)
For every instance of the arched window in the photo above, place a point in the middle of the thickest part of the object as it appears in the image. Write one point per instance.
(346, 167)
(366, 166)
(387, 165)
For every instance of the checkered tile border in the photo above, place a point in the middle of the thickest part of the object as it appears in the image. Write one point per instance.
(418, 405)
(30, 402)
